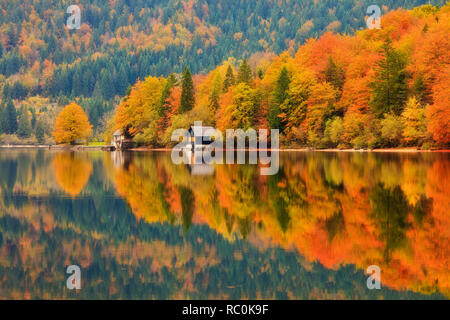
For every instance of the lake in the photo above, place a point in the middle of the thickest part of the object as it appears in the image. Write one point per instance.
(141, 227)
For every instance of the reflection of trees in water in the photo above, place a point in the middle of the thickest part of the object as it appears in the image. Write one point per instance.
(187, 206)
(333, 209)
(72, 171)
(390, 212)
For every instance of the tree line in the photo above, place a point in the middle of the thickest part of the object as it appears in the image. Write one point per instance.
(39, 56)
(379, 88)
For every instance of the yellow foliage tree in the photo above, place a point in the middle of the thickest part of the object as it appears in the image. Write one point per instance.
(140, 108)
(72, 124)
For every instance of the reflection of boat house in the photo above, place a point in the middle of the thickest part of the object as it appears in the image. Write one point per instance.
(201, 169)
(121, 159)
(198, 137)
(196, 164)
(117, 159)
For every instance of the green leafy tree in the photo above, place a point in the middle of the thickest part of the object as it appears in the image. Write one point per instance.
(243, 107)
(187, 92)
(414, 121)
(392, 129)
(334, 128)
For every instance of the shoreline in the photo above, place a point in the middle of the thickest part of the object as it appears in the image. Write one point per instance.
(76, 148)
(107, 148)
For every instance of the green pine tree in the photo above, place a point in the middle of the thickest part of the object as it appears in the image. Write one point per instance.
(40, 132)
(24, 124)
(421, 91)
(215, 93)
(229, 79)
(389, 87)
(165, 94)
(334, 74)
(10, 124)
(187, 92)
(245, 73)
(280, 94)
(2, 118)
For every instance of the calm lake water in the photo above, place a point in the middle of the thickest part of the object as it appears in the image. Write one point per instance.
(141, 227)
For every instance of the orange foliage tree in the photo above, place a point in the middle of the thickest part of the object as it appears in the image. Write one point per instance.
(72, 124)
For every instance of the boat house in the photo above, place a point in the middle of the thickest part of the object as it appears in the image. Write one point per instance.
(198, 137)
(120, 142)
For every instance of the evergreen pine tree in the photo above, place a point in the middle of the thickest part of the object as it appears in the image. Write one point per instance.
(165, 94)
(245, 73)
(334, 74)
(280, 94)
(2, 118)
(229, 79)
(10, 113)
(421, 90)
(187, 92)
(389, 87)
(33, 118)
(215, 93)
(260, 73)
(24, 124)
(40, 132)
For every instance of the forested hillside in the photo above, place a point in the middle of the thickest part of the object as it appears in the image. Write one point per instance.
(44, 65)
(120, 41)
(377, 88)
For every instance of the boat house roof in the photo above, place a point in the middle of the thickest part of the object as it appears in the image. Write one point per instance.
(200, 130)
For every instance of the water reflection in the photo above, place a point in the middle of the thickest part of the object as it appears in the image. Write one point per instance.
(142, 227)
(72, 171)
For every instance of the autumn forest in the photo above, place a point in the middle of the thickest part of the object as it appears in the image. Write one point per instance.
(94, 204)
(377, 88)
(331, 84)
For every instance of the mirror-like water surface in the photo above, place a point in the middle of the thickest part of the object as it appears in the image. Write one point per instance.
(141, 227)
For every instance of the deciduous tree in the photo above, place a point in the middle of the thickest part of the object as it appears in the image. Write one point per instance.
(72, 124)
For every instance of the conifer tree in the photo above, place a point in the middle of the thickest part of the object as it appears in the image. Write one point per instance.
(389, 87)
(280, 94)
(165, 94)
(245, 73)
(2, 118)
(215, 93)
(10, 124)
(334, 74)
(24, 124)
(229, 79)
(187, 92)
(421, 91)
(40, 132)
